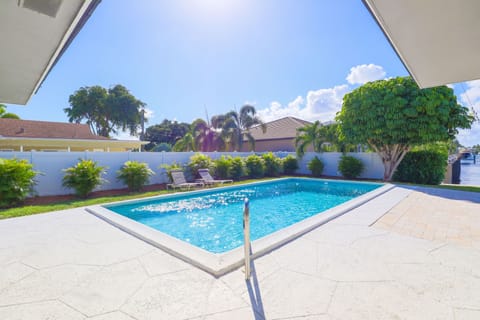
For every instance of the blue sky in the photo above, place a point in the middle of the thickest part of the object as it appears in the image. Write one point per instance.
(181, 57)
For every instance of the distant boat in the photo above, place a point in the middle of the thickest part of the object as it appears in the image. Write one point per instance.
(467, 158)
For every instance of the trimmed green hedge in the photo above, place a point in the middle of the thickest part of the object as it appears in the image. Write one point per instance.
(422, 167)
(350, 167)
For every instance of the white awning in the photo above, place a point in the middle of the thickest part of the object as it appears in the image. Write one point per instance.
(437, 40)
(34, 34)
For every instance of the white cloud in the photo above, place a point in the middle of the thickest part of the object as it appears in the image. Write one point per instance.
(364, 73)
(149, 113)
(320, 104)
(324, 103)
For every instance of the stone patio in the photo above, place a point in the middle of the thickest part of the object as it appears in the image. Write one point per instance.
(72, 265)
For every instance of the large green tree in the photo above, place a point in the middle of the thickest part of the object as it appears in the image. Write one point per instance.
(165, 132)
(393, 115)
(106, 111)
(7, 115)
(236, 127)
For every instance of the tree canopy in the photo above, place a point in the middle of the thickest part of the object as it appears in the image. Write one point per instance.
(7, 115)
(393, 115)
(165, 132)
(106, 111)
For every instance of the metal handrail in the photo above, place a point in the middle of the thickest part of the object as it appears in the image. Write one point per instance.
(246, 237)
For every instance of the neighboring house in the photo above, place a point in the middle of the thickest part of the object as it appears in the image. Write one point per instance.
(280, 135)
(28, 135)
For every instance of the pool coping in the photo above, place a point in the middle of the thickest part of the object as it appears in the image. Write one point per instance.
(220, 264)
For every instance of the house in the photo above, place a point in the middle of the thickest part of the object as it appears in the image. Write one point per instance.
(279, 136)
(28, 135)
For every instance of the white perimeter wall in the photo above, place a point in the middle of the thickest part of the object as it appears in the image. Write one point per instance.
(51, 164)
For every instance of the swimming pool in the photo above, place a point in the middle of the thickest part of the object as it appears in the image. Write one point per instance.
(208, 223)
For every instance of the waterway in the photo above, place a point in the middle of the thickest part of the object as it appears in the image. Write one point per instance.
(470, 173)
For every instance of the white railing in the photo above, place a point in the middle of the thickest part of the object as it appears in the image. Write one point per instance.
(246, 237)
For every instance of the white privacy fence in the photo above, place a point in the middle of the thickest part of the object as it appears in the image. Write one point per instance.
(51, 165)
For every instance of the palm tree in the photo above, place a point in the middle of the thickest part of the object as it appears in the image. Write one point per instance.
(186, 143)
(236, 126)
(310, 134)
(7, 115)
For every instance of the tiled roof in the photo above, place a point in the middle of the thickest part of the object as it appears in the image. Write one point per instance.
(45, 129)
(283, 128)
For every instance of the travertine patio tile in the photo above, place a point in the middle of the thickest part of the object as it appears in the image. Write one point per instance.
(40, 311)
(467, 314)
(395, 248)
(263, 267)
(347, 264)
(237, 314)
(461, 258)
(103, 291)
(441, 283)
(287, 294)
(342, 234)
(382, 301)
(47, 284)
(116, 315)
(158, 262)
(12, 273)
(180, 295)
(299, 255)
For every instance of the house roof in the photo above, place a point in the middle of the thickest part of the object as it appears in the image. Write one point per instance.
(437, 41)
(284, 128)
(34, 36)
(14, 128)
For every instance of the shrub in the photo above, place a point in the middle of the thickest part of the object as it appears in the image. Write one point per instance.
(290, 164)
(17, 179)
(273, 164)
(255, 166)
(222, 167)
(83, 177)
(237, 168)
(350, 167)
(424, 167)
(134, 174)
(200, 161)
(170, 167)
(316, 166)
(162, 147)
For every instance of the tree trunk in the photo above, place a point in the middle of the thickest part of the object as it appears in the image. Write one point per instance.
(391, 156)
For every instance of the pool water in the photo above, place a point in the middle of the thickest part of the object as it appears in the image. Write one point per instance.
(213, 220)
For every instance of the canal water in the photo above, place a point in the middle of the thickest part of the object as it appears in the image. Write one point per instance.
(470, 173)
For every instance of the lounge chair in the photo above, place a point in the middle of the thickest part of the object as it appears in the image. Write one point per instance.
(179, 181)
(208, 179)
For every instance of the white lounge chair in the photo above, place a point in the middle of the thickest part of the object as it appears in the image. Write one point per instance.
(208, 179)
(179, 181)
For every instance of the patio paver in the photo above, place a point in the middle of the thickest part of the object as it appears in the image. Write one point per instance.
(362, 265)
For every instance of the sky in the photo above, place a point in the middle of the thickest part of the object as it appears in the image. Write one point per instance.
(189, 58)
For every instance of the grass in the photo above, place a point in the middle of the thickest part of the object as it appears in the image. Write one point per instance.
(75, 203)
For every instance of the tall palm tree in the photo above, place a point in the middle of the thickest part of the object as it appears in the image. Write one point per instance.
(310, 134)
(237, 125)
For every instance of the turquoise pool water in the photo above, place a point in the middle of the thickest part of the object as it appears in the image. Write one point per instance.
(212, 220)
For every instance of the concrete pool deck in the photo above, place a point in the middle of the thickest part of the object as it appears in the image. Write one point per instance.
(362, 265)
